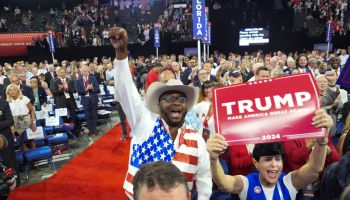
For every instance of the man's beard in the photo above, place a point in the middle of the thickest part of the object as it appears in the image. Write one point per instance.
(170, 123)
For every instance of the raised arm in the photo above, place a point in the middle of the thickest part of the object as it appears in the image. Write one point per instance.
(130, 99)
(309, 172)
(233, 184)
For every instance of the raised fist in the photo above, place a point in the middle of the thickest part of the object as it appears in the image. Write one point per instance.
(331, 77)
(119, 39)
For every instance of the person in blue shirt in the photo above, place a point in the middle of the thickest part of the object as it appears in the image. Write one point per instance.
(270, 183)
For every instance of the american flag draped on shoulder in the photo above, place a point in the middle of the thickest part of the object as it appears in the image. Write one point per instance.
(344, 77)
(160, 146)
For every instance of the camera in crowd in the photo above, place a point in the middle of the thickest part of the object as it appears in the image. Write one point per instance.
(7, 181)
(8, 177)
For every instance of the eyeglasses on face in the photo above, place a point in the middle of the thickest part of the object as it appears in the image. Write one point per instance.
(173, 99)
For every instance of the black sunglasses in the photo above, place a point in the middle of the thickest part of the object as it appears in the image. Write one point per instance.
(172, 99)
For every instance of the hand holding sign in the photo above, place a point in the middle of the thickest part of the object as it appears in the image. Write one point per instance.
(35, 134)
(216, 145)
(33, 127)
(322, 120)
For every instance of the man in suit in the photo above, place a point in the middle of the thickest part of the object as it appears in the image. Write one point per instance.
(202, 76)
(334, 63)
(197, 80)
(97, 75)
(186, 76)
(50, 75)
(62, 91)
(208, 66)
(3, 92)
(88, 89)
(26, 90)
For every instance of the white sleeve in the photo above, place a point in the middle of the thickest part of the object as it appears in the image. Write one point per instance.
(196, 109)
(26, 100)
(203, 176)
(287, 180)
(129, 98)
(244, 192)
(343, 95)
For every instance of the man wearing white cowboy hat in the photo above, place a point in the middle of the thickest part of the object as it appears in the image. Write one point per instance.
(159, 129)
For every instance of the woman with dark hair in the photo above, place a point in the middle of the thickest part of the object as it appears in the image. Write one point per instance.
(204, 109)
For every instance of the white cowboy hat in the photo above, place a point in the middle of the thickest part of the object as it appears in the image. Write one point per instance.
(156, 89)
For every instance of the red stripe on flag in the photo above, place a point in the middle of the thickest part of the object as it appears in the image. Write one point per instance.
(185, 158)
(190, 131)
(129, 178)
(188, 176)
(191, 143)
(129, 194)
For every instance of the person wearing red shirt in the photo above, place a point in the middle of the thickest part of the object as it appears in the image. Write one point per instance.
(297, 152)
(152, 75)
(241, 162)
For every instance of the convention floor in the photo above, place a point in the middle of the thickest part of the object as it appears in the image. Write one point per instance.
(42, 170)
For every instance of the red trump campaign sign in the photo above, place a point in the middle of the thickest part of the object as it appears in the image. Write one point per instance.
(269, 110)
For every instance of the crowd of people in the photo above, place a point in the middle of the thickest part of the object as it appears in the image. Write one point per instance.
(29, 88)
(159, 98)
(83, 25)
(324, 11)
(88, 23)
(177, 22)
(164, 124)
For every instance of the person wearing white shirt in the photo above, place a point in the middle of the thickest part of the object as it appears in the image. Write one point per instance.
(343, 57)
(204, 109)
(161, 120)
(109, 73)
(22, 111)
(42, 69)
(270, 182)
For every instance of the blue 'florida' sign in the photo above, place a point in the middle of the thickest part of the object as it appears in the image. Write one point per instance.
(51, 42)
(156, 36)
(329, 31)
(206, 32)
(198, 16)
